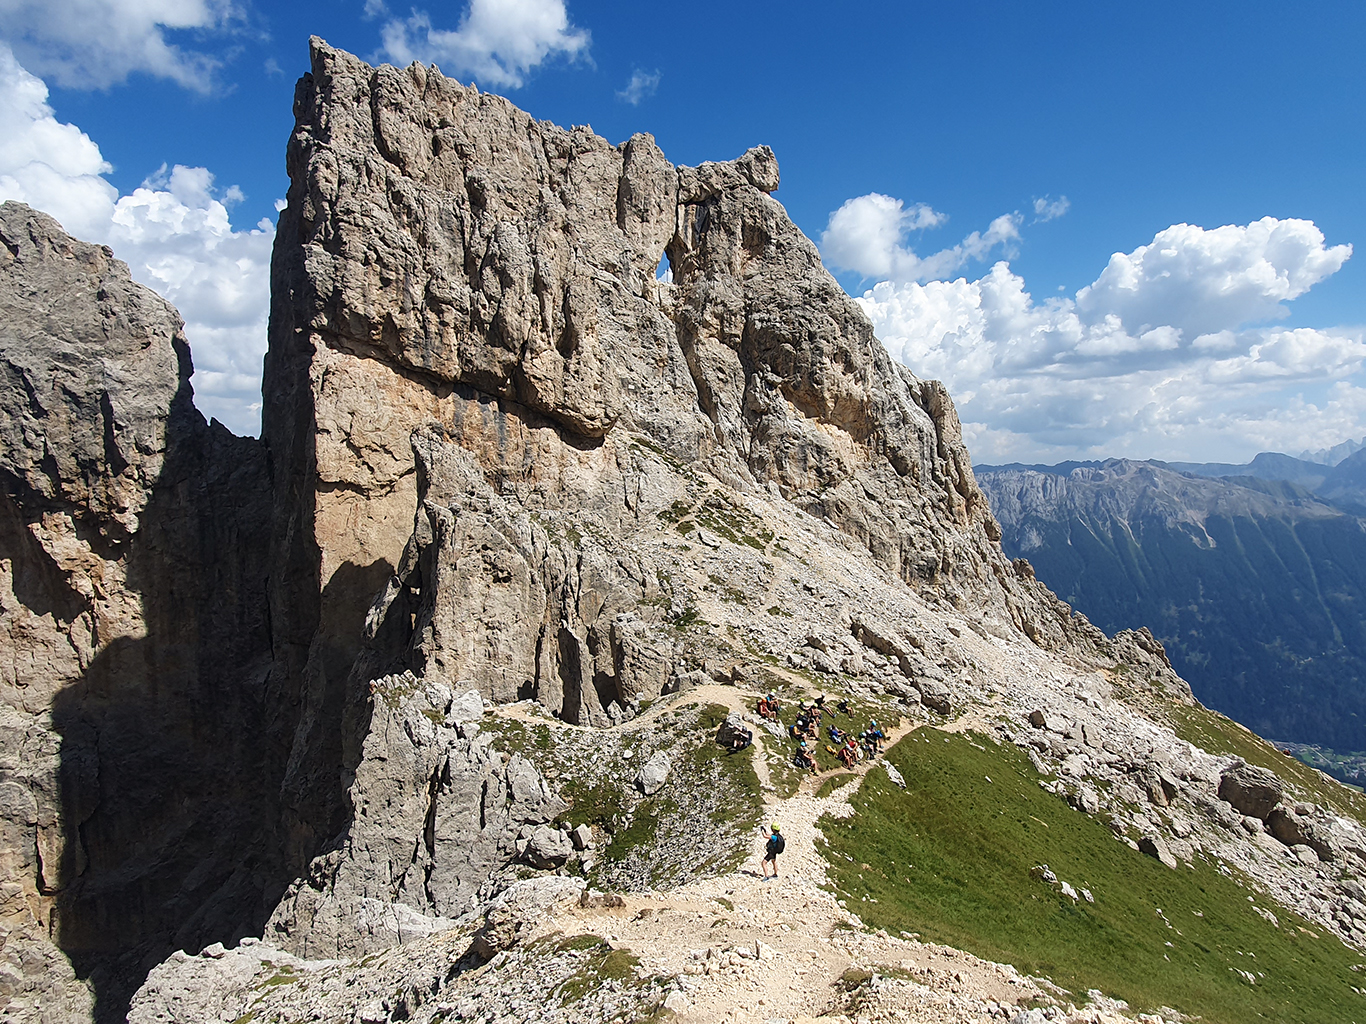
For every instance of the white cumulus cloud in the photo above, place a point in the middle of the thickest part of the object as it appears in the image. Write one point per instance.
(641, 85)
(497, 42)
(1167, 354)
(174, 232)
(93, 44)
(868, 236)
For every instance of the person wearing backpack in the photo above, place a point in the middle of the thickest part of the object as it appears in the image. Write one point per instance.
(771, 850)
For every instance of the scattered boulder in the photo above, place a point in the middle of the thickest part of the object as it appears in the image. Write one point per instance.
(548, 847)
(934, 695)
(1250, 789)
(654, 773)
(733, 731)
(1154, 847)
(518, 908)
(1294, 828)
(581, 837)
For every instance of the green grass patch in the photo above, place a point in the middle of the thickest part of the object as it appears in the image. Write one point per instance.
(950, 858)
(833, 783)
(601, 962)
(1221, 735)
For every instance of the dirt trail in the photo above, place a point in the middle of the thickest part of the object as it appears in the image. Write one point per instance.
(754, 950)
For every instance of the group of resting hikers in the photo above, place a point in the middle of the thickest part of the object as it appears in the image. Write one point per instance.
(847, 746)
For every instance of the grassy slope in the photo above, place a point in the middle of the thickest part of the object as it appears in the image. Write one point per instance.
(950, 858)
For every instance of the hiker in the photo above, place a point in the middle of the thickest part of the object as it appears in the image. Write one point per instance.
(794, 730)
(846, 756)
(802, 759)
(740, 739)
(821, 709)
(843, 706)
(869, 744)
(836, 736)
(772, 848)
(876, 736)
(765, 708)
(853, 749)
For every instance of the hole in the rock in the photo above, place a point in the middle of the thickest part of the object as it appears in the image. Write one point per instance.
(664, 270)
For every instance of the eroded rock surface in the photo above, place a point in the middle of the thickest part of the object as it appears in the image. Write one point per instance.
(135, 743)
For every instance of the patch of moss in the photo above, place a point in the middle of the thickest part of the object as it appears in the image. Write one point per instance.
(950, 857)
(601, 963)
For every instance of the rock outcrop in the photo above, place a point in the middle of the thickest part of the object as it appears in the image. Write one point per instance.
(467, 323)
(137, 732)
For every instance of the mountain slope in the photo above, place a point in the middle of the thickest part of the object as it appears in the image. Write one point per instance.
(1256, 588)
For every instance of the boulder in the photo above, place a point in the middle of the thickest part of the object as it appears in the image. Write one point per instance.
(516, 911)
(548, 847)
(1250, 789)
(733, 730)
(654, 773)
(1294, 828)
(581, 836)
(468, 707)
(1156, 848)
(934, 695)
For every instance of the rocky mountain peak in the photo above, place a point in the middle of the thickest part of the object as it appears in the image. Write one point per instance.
(527, 531)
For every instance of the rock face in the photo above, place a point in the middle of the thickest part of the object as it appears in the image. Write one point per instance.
(434, 815)
(467, 324)
(138, 736)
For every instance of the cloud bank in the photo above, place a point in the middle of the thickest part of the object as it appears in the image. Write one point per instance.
(497, 42)
(174, 232)
(93, 44)
(1172, 352)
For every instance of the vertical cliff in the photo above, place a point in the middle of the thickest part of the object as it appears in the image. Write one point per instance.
(136, 726)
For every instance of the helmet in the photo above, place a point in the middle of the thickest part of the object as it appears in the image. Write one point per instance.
(774, 826)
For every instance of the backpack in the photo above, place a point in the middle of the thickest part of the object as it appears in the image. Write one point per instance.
(775, 844)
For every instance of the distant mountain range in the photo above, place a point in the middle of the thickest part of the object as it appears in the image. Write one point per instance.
(1253, 576)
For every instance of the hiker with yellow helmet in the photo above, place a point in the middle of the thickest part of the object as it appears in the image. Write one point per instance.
(771, 850)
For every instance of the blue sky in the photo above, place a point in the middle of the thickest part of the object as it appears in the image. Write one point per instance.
(974, 118)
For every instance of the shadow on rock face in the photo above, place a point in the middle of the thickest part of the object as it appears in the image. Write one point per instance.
(171, 750)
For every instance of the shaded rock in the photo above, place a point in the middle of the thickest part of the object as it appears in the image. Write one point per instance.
(517, 910)
(1154, 846)
(548, 847)
(733, 731)
(935, 695)
(1294, 828)
(140, 764)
